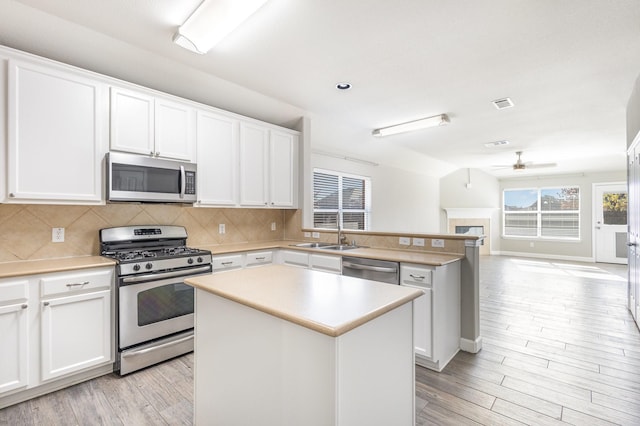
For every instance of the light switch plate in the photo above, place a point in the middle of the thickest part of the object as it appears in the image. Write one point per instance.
(404, 241)
(221, 228)
(307, 234)
(316, 235)
(273, 226)
(418, 242)
(437, 243)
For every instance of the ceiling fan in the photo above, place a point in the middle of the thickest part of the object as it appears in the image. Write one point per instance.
(521, 165)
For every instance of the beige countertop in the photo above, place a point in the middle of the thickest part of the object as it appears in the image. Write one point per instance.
(32, 267)
(42, 266)
(327, 303)
(420, 257)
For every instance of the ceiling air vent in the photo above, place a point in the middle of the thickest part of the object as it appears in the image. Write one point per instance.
(503, 103)
(496, 143)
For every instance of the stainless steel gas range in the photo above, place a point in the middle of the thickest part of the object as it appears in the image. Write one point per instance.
(154, 306)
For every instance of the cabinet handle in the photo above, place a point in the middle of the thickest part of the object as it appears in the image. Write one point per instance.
(24, 306)
(78, 284)
(11, 195)
(417, 277)
(46, 303)
(260, 258)
(152, 153)
(157, 153)
(226, 263)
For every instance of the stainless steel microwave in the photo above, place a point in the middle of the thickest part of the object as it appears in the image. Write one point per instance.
(132, 177)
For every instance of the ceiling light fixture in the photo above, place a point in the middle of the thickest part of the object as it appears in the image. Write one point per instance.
(423, 123)
(343, 86)
(212, 21)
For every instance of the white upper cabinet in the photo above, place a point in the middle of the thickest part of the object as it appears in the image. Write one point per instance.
(57, 132)
(254, 144)
(142, 123)
(268, 167)
(217, 147)
(283, 170)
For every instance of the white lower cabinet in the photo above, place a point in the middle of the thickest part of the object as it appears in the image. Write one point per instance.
(258, 258)
(14, 334)
(436, 316)
(55, 330)
(76, 333)
(315, 261)
(227, 262)
(326, 263)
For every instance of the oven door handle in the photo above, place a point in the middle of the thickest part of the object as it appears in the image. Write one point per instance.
(163, 275)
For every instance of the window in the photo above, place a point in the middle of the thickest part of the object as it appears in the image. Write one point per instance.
(542, 213)
(338, 194)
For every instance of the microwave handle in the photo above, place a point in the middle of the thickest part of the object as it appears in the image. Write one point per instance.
(183, 181)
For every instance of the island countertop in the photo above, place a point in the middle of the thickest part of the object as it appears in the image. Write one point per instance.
(327, 303)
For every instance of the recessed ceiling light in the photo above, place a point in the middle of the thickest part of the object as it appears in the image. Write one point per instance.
(343, 86)
(496, 143)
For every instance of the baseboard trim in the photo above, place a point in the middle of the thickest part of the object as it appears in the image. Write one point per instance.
(546, 256)
(472, 346)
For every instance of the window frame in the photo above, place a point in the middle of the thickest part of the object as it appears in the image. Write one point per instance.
(541, 213)
(341, 210)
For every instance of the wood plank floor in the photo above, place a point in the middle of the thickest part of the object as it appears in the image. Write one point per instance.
(559, 347)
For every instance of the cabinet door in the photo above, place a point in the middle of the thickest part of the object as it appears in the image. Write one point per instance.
(253, 165)
(56, 134)
(132, 118)
(14, 335)
(76, 333)
(217, 148)
(282, 169)
(321, 262)
(294, 258)
(174, 124)
(422, 324)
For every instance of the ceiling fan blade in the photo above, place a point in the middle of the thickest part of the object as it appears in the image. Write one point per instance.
(540, 165)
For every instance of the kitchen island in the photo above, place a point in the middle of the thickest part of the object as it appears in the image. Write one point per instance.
(279, 345)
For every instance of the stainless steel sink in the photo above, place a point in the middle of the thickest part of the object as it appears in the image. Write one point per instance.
(313, 245)
(340, 247)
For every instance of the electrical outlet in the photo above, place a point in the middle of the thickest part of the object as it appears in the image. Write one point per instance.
(531, 244)
(273, 226)
(315, 235)
(418, 242)
(57, 235)
(221, 229)
(437, 243)
(405, 241)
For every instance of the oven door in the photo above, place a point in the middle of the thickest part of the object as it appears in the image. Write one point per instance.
(154, 309)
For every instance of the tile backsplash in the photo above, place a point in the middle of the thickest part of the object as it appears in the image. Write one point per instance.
(25, 230)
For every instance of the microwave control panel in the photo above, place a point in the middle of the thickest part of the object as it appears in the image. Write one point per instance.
(190, 182)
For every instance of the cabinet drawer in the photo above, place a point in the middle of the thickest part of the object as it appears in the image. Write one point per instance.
(74, 282)
(326, 263)
(13, 291)
(414, 275)
(297, 258)
(259, 258)
(223, 263)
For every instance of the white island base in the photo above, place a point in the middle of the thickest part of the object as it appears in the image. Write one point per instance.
(254, 368)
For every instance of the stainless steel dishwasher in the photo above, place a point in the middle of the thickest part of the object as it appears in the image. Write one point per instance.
(371, 269)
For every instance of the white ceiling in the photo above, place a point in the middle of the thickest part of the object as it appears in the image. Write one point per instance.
(568, 65)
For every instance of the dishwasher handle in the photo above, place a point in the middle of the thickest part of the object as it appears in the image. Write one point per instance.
(368, 267)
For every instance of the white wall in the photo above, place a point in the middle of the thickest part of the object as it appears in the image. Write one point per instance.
(484, 192)
(633, 113)
(401, 201)
(582, 249)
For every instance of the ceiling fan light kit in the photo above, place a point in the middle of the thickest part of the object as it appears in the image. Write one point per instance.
(212, 21)
(521, 165)
(423, 123)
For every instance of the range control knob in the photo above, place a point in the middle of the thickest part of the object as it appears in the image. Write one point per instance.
(136, 267)
(148, 265)
(199, 259)
(190, 260)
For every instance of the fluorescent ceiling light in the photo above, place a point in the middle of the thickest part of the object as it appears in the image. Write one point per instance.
(438, 120)
(212, 21)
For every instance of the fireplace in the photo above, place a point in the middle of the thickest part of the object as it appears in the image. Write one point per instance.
(472, 221)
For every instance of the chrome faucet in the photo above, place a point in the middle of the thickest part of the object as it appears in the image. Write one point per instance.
(341, 237)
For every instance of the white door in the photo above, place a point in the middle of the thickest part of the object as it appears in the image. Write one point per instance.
(610, 233)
